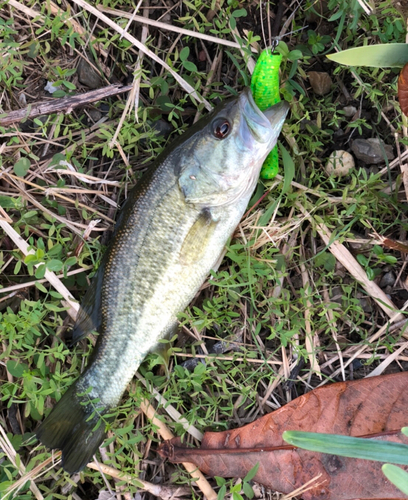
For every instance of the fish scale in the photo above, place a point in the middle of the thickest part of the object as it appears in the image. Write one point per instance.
(170, 234)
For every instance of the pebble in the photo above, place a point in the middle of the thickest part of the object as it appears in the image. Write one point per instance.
(95, 114)
(370, 151)
(388, 279)
(321, 82)
(88, 76)
(349, 111)
(339, 164)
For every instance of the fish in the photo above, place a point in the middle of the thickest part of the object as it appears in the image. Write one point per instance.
(170, 234)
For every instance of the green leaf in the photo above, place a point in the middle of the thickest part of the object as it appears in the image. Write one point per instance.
(239, 13)
(346, 446)
(252, 473)
(184, 53)
(396, 476)
(54, 265)
(289, 168)
(236, 496)
(294, 55)
(327, 260)
(362, 260)
(249, 492)
(9, 202)
(190, 66)
(16, 368)
(387, 55)
(370, 273)
(39, 274)
(222, 492)
(40, 286)
(71, 261)
(220, 480)
(21, 167)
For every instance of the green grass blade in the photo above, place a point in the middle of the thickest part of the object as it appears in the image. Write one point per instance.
(346, 446)
(289, 168)
(396, 476)
(386, 55)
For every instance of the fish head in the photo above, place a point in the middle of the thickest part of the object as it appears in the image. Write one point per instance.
(224, 156)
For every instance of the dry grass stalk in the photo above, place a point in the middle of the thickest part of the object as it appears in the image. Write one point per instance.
(331, 320)
(62, 197)
(165, 433)
(164, 492)
(56, 11)
(348, 260)
(49, 275)
(311, 340)
(211, 357)
(133, 96)
(305, 487)
(186, 86)
(168, 27)
(173, 413)
(28, 284)
(389, 359)
(356, 351)
(11, 453)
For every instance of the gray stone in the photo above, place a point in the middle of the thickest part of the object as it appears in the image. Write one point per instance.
(88, 76)
(370, 151)
(388, 279)
(349, 111)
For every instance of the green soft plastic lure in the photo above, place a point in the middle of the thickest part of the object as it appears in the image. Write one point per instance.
(265, 89)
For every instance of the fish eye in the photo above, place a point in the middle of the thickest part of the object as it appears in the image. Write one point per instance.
(221, 128)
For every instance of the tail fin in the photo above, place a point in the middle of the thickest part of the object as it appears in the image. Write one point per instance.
(72, 427)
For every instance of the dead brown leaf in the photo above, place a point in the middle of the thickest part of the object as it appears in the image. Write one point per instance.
(357, 408)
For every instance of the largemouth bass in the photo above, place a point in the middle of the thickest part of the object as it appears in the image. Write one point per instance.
(170, 234)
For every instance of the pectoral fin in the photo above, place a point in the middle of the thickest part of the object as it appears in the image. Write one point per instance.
(198, 238)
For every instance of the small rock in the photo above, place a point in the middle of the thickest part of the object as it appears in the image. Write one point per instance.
(87, 75)
(371, 151)
(388, 279)
(349, 111)
(95, 114)
(339, 164)
(321, 82)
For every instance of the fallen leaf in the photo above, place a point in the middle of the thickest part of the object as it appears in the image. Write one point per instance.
(403, 89)
(367, 407)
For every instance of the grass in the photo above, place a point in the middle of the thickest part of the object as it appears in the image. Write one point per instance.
(295, 314)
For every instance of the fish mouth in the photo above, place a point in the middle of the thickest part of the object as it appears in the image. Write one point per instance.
(264, 126)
